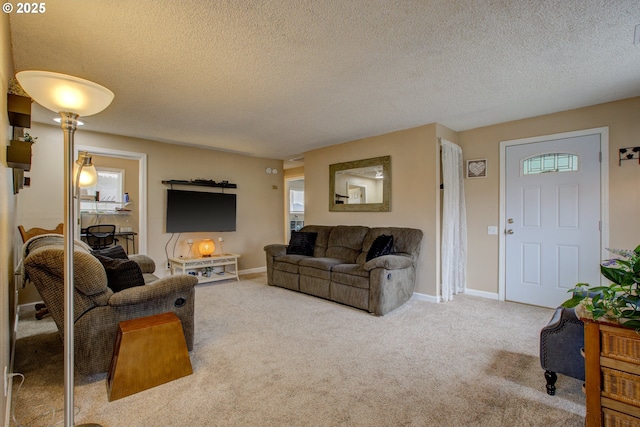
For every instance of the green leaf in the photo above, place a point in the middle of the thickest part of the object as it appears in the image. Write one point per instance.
(613, 274)
(634, 324)
(570, 303)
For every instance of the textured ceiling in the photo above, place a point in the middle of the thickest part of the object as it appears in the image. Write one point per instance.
(276, 78)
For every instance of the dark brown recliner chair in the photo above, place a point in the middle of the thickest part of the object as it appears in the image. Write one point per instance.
(561, 342)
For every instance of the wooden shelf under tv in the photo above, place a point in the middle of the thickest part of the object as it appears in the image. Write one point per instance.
(200, 183)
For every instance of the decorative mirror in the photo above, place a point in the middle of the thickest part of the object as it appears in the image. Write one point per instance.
(360, 185)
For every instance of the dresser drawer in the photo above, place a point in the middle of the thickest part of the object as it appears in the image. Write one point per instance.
(611, 418)
(621, 386)
(618, 344)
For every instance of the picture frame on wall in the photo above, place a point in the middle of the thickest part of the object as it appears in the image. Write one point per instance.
(477, 168)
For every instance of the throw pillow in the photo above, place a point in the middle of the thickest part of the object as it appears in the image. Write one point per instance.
(383, 245)
(112, 252)
(302, 243)
(121, 273)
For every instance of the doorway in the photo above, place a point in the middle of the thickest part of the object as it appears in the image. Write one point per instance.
(356, 193)
(140, 244)
(294, 206)
(553, 215)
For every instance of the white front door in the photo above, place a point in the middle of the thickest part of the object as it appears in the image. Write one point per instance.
(552, 218)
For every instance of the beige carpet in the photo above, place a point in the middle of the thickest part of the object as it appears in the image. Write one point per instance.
(266, 356)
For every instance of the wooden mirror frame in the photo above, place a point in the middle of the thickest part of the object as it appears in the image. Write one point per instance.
(385, 206)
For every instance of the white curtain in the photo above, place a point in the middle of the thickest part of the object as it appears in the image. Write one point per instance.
(454, 222)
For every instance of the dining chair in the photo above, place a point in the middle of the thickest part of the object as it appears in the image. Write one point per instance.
(101, 236)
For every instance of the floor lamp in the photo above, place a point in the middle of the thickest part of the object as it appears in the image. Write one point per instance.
(72, 97)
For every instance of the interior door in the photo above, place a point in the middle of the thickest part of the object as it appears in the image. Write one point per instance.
(552, 211)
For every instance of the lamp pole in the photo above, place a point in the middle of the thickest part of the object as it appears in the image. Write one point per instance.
(68, 123)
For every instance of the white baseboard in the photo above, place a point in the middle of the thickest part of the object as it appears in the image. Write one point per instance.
(425, 297)
(483, 294)
(253, 270)
(472, 292)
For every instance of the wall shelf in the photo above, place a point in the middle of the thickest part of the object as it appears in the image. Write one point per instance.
(200, 183)
(106, 207)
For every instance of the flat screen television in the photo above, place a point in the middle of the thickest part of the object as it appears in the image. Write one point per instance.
(196, 211)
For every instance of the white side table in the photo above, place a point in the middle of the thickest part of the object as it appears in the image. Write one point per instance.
(204, 267)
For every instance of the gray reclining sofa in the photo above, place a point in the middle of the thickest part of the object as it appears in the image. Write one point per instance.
(336, 266)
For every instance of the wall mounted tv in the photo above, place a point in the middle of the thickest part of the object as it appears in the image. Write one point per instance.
(196, 211)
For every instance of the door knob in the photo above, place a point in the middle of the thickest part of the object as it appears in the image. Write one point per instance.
(509, 231)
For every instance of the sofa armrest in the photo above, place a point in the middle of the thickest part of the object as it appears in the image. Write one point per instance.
(388, 262)
(147, 265)
(275, 250)
(161, 288)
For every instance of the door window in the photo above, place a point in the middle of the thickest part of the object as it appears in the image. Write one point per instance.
(551, 162)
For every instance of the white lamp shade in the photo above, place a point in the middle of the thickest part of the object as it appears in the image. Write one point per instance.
(62, 93)
(88, 176)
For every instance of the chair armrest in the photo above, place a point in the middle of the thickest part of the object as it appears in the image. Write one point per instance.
(388, 262)
(276, 250)
(147, 265)
(560, 343)
(560, 317)
(161, 288)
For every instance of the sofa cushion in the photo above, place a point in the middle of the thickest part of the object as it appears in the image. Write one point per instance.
(406, 241)
(288, 263)
(320, 263)
(315, 272)
(383, 245)
(286, 266)
(302, 243)
(322, 240)
(345, 242)
(351, 275)
(112, 252)
(121, 273)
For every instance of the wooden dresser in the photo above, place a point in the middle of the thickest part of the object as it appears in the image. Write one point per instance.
(612, 370)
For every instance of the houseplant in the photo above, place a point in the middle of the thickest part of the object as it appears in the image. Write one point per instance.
(28, 138)
(618, 302)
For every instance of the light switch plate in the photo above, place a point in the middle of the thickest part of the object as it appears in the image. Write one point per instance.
(492, 230)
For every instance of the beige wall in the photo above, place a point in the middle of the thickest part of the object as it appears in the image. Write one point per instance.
(483, 195)
(415, 198)
(294, 173)
(8, 231)
(260, 206)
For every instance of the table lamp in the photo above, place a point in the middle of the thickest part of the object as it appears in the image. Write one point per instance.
(206, 247)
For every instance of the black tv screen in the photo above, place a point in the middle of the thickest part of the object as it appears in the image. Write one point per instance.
(195, 211)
